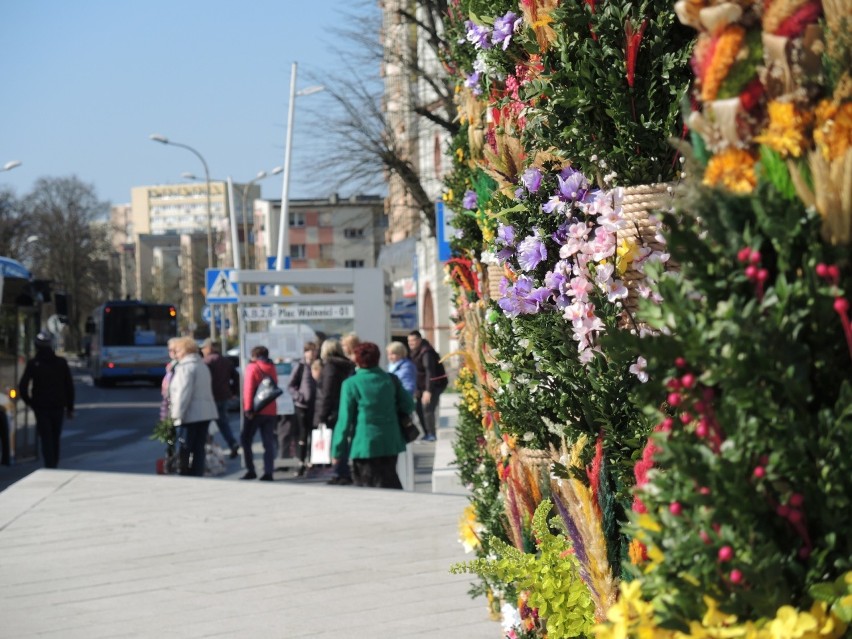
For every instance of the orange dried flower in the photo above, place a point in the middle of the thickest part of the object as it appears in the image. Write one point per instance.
(725, 53)
(732, 169)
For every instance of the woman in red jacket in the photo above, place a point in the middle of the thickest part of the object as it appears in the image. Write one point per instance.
(258, 367)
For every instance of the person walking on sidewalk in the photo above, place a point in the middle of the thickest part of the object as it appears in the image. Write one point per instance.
(51, 397)
(259, 367)
(367, 426)
(431, 382)
(191, 405)
(303, 389)
(336, 369)
(226, 381)
(401, 365)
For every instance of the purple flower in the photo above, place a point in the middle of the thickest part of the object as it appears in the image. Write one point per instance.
(472, 82)
(470, 200)
(504, 27)
(505, 234)
(517, 299)
(478, 35)
(572, 184)
(531, 252)
(531, 179)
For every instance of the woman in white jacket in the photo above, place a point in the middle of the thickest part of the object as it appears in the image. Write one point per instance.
(191, 405)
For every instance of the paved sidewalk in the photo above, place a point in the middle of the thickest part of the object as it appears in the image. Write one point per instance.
(93, 555)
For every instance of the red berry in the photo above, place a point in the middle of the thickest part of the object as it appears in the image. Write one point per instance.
(688, 380)
(821, 270)
(686, 417)
(673, 399)
(764, 460)
(796, 500)
(795, 516)
(673, 384)
(754, 258)
(708, 395)
(675, 509)
(841, 305)
(700, 407)
(704, 490)
(704, 537)
(759, 472)
(726, 553)
(667, 425)
(736, 576)
(833, 272)
(743, 254)
(751, 272)
(804, 552)
(782, 511)
(680, 362)
(762, 275)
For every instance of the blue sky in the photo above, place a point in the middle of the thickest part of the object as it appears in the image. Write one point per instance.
(85, 82)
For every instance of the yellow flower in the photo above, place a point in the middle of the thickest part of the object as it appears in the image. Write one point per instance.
(470, 529)
(833, 132)
(627, 251)
(786, 130)
(789, 623)
(460, 154)
(448, 196)
(732, 169)
(715, 618)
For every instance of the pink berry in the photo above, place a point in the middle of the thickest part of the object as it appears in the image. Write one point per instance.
(762, 275)
(736, 576)
(673, 384)
(703, 428)
(759, 472)
(686, 417)
(688, 380)
(667, 425)
(797, 500)
(794, 516)
(744, 253)
(700, 407)
(704, 537)
(782, 511)
(704, 490)
(673, 399)
(675, 509)
(833, 272)
(680, 362)
(754, 258)
(822, 270)
(751, 271)
(726, 553)
(841, 305)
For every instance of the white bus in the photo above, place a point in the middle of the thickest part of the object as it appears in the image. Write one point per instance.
(129, 341)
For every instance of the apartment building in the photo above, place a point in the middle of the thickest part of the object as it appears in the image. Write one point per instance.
(324, 233)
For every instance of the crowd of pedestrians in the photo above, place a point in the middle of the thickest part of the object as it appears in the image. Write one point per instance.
(337, 386)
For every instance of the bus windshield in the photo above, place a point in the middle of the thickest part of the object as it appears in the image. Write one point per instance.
(142, 325)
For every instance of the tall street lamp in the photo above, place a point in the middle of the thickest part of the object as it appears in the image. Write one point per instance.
(11, 165)
(284, 223)
(162, 139)
(244, 189)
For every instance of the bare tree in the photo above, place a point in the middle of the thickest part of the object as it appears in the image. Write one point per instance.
(13, 226)
(72, 248)
(369, 138)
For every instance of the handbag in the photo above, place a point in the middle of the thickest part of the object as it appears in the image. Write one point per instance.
(266, 393)
(321, 445)
(407, 427)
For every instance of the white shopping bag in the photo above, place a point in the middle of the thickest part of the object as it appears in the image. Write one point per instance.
(321, 445)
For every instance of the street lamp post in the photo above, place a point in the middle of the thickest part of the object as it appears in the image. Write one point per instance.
(284, 223)
(244, 197)
(156, 137)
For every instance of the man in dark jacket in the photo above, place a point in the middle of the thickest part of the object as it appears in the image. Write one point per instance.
(431, 382)
(51, 397)
(226, 383)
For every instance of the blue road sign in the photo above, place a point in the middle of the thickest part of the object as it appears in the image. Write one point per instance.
(272, 261)
(220, 288)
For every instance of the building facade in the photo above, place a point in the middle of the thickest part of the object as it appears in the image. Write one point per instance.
(324, 233)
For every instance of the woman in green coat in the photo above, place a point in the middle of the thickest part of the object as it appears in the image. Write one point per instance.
(367, 422)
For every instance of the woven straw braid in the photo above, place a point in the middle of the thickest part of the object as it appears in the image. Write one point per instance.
(638, 204)
(494, 275)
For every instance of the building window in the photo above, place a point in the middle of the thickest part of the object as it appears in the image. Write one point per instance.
(297, 251)
(354, 264)
(353, 233)
(297, 219)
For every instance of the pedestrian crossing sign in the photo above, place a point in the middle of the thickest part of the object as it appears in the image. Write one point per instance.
(220, 287)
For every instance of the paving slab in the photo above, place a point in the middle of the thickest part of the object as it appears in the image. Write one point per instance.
(99, 554)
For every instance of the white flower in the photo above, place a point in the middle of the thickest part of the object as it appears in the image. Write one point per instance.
(638, 369)
(511, 617)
